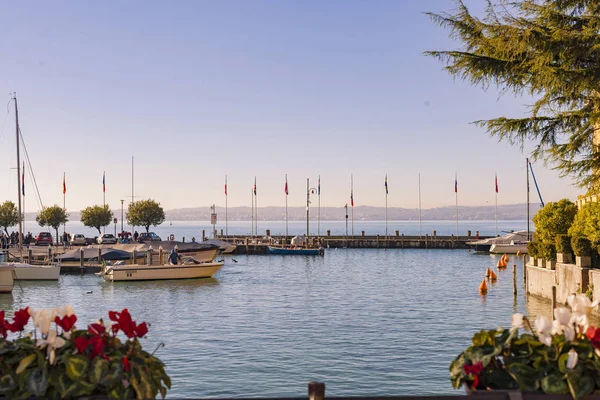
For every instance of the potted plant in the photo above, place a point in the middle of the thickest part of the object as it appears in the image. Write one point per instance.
(549, 255)
(552, 357)
(564, 251)
(583, 251)
(59, 361)
(533, 252)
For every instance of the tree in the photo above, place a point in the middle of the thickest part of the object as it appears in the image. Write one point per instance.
(549, 50)
(9, 216)
(554, 219)
(145, 213)
(52, 216)
(96, 216)
(587, 224)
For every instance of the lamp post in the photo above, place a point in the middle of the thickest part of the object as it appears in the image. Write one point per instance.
(122, 201)
(309, 191)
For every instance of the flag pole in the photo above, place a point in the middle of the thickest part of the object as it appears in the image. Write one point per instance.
(420, 226)
(319, 212)
(23, 193)
(252, 223)
(103, 195)
(226, 227)
(386, 208)
(256, 208)
(286, 208)
(496, 211)
(352, 195)
(456, 195)
(64, 203)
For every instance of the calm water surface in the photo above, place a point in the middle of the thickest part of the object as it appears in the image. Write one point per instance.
(366, 322)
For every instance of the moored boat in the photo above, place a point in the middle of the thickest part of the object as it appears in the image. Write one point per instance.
(6, 278)
(485, 245)
(28, 272)
(161, 272)
(289, 251)
(510, 248)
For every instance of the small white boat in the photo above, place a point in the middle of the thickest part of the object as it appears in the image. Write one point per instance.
(28, 272)
(510, 248)
(6, 278)
(140, 272)
(224, 247)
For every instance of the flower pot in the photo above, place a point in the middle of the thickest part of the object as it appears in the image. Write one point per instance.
(564, 258)
(541, 263)
(551, 264)
(583, 261)
(532, 261)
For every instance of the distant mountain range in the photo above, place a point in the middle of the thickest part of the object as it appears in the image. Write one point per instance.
(365, 213)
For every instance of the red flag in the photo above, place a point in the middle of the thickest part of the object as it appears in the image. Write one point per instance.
(286, 186)
(226, 186)
(104, 182)
(455, 185)
(351, 199)
(496, 181)
(64, 185)
(255, 186)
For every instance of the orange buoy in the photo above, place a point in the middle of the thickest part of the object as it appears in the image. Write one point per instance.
(493, 276)
(500, 264)
(505, 258)
(483, 287)
(488, 273)
(518, 253)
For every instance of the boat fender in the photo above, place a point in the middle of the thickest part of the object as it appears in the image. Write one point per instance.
(172, 237)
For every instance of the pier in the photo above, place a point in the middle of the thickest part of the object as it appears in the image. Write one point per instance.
(256, 245)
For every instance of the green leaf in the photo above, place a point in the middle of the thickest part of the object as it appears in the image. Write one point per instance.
(66, 386)
(112, 376)
(562, 363)
(98, 368)
(555, 384)
(141, 383)
(25, 363)
(37, 382)
(526, 376)
(77, 366)
(7, 383)
(580, 385)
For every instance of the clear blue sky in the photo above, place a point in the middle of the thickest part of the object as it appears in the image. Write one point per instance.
(195, 90)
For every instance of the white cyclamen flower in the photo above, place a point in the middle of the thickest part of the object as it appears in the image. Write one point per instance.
(42, 319)
(543, 328)
(517, 321)
(563, 323)
(572, 359)
(52, 342)
(580, 304)
(562, 315)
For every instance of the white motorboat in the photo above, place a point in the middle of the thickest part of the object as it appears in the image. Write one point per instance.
(224, 247)
(485, 245)
(6, 278)
(509, 248)
(140, 272)
(28, 272)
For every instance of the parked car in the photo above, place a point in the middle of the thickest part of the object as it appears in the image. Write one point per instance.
(43, 238)
(78, 240)
(107, 238)
(149, 237)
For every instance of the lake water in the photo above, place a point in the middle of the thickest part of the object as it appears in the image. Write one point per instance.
(365, 322)
(189, 229)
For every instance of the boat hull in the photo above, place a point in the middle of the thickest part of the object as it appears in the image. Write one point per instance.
(508, 249)
(289, 252)
(6, 278)
(28, 272)
(161, 272)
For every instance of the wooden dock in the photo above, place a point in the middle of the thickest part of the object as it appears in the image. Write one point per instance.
(256, 245)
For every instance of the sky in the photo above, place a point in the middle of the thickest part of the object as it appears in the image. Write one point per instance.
(197, 90)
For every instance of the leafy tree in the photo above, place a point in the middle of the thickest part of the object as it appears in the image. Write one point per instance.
(96, 216)
(53, 216)
(9, 216)
(587, 224)
(554, 219)
(549, 50)
(145, 213)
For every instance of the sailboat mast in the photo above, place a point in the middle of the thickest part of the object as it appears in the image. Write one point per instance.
(18, 171)
(527, 171)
